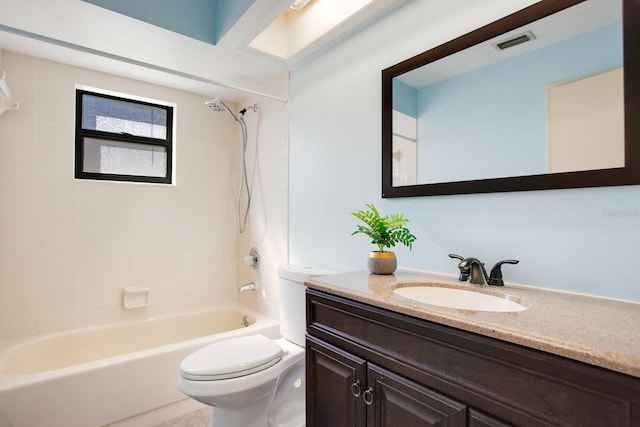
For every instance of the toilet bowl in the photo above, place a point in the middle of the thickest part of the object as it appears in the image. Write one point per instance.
(255, 381)
(264, 374)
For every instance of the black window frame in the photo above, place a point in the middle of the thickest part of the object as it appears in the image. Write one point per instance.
(81, 134)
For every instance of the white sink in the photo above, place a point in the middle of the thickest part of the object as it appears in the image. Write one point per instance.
(458, 298)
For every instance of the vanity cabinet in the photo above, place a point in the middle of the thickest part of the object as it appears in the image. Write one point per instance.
(348, 391)
(368, 366)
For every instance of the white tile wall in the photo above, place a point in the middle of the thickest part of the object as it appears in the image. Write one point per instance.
(68, 247)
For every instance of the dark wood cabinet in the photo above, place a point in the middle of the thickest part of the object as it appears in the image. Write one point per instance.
(397, 401)
(334, 376)
(345, 390)
(368, 366)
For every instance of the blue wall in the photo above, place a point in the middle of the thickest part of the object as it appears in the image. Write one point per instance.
(582, 240)
(405, 98)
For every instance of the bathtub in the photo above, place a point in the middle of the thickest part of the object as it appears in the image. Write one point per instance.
(103, 375)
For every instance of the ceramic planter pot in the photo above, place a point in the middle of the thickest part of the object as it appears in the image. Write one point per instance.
(382, 262)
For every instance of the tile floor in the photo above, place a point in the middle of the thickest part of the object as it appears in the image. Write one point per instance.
(199, 418)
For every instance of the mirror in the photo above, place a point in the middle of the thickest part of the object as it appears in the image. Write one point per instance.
(541, 99)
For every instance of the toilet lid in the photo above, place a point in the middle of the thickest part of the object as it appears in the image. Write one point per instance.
(235, 357)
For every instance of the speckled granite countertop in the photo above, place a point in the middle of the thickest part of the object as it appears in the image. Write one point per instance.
(598, 331)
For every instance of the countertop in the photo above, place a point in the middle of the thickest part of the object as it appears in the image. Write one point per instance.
(598, 331)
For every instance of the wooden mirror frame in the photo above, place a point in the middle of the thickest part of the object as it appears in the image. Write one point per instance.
(627, 175)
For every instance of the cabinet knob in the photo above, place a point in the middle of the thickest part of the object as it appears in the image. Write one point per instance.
(355, 389)
(367, 396)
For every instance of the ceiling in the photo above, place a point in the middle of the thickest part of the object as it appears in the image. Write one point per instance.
(203, 49)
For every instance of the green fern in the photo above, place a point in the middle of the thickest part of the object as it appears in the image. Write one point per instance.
(385, 231)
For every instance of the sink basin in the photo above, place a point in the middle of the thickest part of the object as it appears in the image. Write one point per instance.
(458, 298)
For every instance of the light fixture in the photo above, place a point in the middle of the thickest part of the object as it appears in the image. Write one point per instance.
(299, 4)
(297, 32)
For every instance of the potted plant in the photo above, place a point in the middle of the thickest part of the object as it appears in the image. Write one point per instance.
(385, 232)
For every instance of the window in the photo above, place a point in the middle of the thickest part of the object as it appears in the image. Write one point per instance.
(121, 139)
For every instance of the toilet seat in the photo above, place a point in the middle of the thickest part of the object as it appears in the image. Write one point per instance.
(232, 358)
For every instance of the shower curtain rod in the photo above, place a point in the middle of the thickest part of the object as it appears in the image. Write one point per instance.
(143, 64)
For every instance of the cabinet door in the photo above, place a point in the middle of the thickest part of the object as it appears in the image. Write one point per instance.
(335, 381)
(396, 401)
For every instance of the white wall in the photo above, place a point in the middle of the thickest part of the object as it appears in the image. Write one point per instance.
(68, 247)
(584, 240)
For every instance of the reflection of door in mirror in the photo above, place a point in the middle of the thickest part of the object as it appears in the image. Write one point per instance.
(405, 155)
(586, 123)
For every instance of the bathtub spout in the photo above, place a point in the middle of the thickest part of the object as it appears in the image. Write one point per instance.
(248, 287)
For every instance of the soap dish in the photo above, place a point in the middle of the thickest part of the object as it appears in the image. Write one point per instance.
(136, 297)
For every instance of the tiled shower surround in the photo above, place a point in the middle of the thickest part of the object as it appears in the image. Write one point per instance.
(68, 247)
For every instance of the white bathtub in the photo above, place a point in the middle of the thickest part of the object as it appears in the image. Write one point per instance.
(102, 375)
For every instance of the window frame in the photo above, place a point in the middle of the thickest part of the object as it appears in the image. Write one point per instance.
(81, 134)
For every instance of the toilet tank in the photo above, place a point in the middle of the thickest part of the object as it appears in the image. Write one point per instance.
(293, 322)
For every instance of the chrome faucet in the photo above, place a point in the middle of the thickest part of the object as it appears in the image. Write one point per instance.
(248, 287)
(473, 270)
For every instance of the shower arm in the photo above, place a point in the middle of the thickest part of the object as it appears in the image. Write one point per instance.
(253, 107)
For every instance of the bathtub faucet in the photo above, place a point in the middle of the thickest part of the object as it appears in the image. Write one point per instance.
(248, 287)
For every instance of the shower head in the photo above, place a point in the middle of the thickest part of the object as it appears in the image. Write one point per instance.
(218, 104)
(215, 105)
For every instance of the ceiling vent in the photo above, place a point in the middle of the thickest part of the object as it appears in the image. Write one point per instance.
(515, 40)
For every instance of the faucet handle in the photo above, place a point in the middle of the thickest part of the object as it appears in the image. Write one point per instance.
(464, 272)
(495, 277)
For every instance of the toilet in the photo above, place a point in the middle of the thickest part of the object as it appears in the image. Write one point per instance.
(255, 381)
